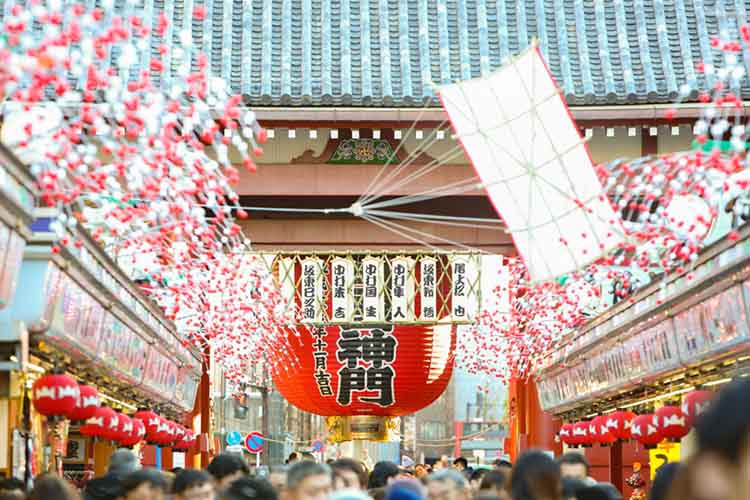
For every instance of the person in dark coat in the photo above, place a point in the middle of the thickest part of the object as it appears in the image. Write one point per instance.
(109, 486)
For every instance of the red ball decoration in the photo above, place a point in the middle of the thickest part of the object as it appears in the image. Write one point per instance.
(151, 423)
(566, 434)
(619, 424)
(603, 435)
(581, 433)
(645, 430)
(694, 404)
(94, 426)
(672, 422)
(55, 395)
(88, 402)
(421, 364)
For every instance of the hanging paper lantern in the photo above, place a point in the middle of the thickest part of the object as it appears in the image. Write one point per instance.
(566, 434)
(581, 433)
(55, 395)
(405, 367)
(619, 424)
(111, 426)
(164, 434)
(672, 422)
(88, 402)
(694, 404)
(645, 430)
(125, 428)
(151, 423)
(94, 426)
(603, 435)
(184, 439)
(137, 433)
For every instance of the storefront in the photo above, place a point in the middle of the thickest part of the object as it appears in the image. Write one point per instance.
(688, 332)
(77, 312)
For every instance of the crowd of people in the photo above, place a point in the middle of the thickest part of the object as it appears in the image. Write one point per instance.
(718, 470)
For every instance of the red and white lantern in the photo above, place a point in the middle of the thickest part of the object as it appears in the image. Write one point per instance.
(55, 395)
(581, 433)
(111, 430)
(566, 434)
(137, 433)
(602, 434)
(645, 430)
(694, 404)
(672, 422)
(95, 425)
(151, 423)
(88, 402)
(619, 424)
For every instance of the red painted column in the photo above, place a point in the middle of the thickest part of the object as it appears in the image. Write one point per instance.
(530, 427)
(458, 428)
(205, 403)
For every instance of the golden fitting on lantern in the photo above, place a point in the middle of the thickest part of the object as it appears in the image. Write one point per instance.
(370, 428)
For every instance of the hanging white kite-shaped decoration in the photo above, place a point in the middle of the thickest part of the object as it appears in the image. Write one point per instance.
(519, 135)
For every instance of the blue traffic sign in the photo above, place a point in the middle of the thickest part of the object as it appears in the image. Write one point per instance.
(234, 438)
(318, 446)
(254, 442)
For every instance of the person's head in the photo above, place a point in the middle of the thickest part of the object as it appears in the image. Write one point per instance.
(461, 463)
(144, 484)
(571, 487)
(225, 468)
(348, 474)
(277, 478)
(536, 476)
(308, 481)
(192, 484)
(250, 488)
(475, 480)
(405, 489)
(574, 465)
(599, 491)
(176, 470)
(12, 488)
(663, 481)
(501, 463)
(293, 458)
(377, 493)
(123, 462)
(495, 481)
(306, 455)
(382, 474)
(47, 487)
(447, 484)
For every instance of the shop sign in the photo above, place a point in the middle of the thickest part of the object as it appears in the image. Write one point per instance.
(664, 453)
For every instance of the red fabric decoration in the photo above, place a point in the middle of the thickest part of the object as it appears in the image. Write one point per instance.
(603, 435)
(407, 368)
(55, 395)
(672, 422)
(94, 426)
(566, 434)
(581, 433)
(645, 430)
(151, 423)
(619, 424)
(88, 402)
(694, 403)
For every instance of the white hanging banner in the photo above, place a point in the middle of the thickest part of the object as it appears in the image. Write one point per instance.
(402, 290)
(342, 290)
(312, 290)
(372, 297)
(428, 289)
(464, 303)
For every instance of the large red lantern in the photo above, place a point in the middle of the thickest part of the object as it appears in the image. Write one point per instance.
(385, 371)
(124, 428)
(619, 424)
(94, 426)
(581, 433)
(55, 395)
(151, 423)
(566, 434)
(694, 404)
(602, 434)
(645, 430)
(137, 433)
(88, 402)
(111, 430)
(672, 422)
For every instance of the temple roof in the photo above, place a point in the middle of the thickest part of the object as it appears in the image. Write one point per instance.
(392, 53)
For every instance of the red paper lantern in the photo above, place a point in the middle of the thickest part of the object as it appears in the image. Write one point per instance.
(124, 428)
(184, 438)
(645, 430)
(619, 424)
(137, 433)
(55, 395)
(111, 431)
(94, 426)
(694, 404)
(88, 402)
(164, 434)
(672, 422)
(602, 434)
(151, 423)
(414, 369)
(566, 434)
(581, 433)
